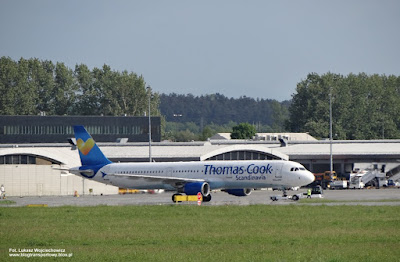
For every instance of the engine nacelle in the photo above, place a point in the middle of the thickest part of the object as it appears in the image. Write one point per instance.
(194, 188)
(239, 192)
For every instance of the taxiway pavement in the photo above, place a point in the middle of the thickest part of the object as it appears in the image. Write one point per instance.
(373, 197)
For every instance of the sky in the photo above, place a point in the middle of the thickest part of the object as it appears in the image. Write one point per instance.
(258, 49)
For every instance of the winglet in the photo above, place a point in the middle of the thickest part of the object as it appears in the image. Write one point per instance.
(89, 152)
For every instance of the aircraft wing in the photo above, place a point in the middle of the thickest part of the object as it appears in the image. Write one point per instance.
(174, 181)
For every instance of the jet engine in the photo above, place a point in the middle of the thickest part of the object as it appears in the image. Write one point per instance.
(239, 192)
(194, 188)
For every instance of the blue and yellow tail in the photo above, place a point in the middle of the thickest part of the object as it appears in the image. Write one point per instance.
(89, 152)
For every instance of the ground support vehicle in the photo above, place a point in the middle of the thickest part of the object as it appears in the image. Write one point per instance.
(316, 191)
(294, 197)
(339, 184)
(324, 179)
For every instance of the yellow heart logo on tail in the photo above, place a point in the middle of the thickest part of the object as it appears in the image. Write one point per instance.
(85, 147)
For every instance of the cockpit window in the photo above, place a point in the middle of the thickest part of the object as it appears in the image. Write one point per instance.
(297, 169)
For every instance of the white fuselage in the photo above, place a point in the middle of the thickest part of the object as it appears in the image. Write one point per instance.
(218, 174)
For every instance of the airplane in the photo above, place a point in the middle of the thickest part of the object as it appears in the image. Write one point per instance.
(237, 178)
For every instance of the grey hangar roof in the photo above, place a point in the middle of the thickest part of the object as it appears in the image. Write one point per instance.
(358, 150)
(191, 151)
(371, 150)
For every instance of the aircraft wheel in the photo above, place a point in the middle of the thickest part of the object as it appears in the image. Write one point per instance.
(207, 198)
(173, 198)
(295, 197)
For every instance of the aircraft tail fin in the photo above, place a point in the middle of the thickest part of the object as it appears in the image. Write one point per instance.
(89, 152)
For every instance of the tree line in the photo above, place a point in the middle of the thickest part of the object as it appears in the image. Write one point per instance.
(33, 87)
(220, 110)
(363, 106)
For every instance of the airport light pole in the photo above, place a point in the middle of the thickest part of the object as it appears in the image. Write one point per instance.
(176, 125)
(330, 131)
(149, 90)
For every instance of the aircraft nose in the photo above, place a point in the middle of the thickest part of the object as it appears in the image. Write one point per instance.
(308, 178)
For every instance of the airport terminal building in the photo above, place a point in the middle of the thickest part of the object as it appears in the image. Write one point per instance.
(57, 129)
(35, 169)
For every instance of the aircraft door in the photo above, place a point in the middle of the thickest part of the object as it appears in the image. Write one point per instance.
(169, 172)
(278, 172)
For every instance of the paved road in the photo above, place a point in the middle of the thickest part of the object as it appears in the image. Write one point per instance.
(340, 197)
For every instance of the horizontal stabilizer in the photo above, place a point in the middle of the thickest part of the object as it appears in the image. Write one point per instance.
(88, 172)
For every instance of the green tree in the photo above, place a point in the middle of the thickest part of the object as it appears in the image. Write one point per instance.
(87, 98)
(363, 106)
(105, 82)
(64, 91)
(219, 110)
(8, 78)
(18, 90)
(243, 131)
(25, 93)
(279, 116)
(185, 136)
(206, 133)
(42, 77)
(33, 86)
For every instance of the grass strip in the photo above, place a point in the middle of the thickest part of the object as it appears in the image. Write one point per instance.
(206, 233)
(6, 202)
(323, 200)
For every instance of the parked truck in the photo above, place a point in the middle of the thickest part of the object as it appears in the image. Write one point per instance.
(324, 179)
(338, 184)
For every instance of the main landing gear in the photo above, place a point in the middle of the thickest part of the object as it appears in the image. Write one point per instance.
(207, 198)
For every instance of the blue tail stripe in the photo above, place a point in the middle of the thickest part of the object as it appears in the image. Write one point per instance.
(91, 155)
